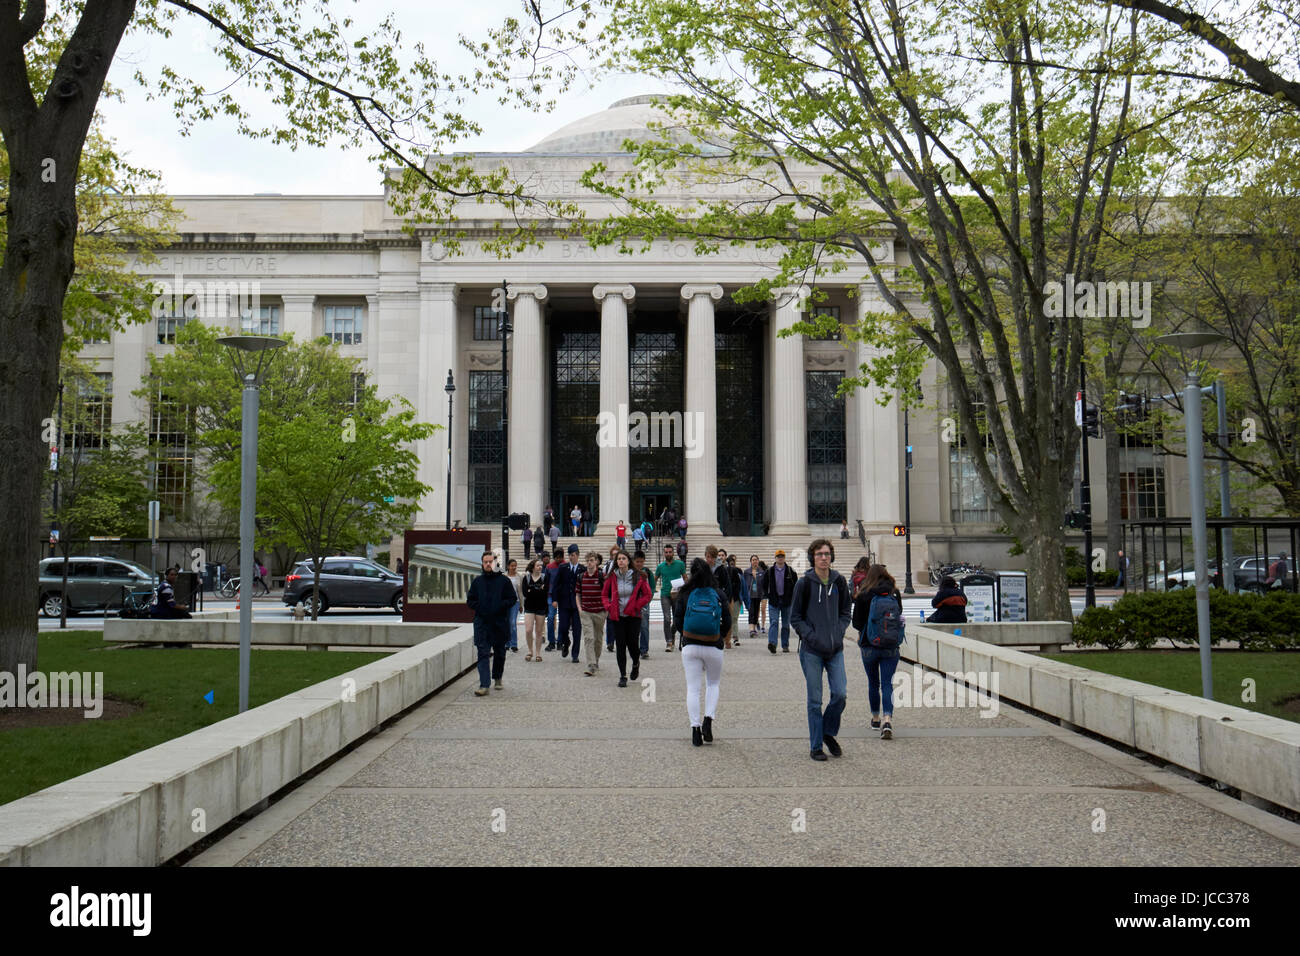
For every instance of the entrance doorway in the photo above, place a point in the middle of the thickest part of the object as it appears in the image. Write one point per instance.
(737, 514)
(653, 504)
(584, 500)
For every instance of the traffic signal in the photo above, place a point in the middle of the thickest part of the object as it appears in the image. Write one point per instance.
(1092, 421)
(1076, 519)
(900, 530)
(909, 457)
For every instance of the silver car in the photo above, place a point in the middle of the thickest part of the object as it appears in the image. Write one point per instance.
(94, 583)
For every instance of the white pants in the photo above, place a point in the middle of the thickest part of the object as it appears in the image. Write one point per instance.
(702, 664)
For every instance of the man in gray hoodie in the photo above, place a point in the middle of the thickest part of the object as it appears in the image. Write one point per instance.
(820, 614)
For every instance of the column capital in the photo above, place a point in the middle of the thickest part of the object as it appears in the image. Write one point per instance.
(538, 292)
(297, 298)
(690, 291)
(435, 291)
(628, 292)
(784, 296)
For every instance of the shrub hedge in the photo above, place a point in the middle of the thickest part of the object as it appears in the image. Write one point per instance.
(1140, 618)
(1077, 577)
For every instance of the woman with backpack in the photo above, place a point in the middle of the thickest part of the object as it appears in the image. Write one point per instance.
(878, 615)
(591, 611)
(701, 617)
(625, 593)
(535, 608)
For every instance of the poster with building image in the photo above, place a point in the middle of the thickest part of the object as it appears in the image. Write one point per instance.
(440, 567)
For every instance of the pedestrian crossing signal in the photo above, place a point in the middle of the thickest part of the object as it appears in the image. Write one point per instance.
(900, 530)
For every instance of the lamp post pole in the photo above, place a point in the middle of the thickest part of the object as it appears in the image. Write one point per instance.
(1225, 491)
(451, 389)
(907, 503)
(247, 509)
(255, 350)
(1085, 494)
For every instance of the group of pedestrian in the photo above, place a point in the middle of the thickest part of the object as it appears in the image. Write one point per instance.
(608, 603)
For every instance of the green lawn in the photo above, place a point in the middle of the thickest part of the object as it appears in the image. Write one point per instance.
(1276, 673)
(169, 682)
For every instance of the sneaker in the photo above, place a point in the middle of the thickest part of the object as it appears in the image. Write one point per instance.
(772, 648)
(498, 683)
(588, 672)
(622, 682)
(564, 649)
(875, 723)
(481, 692)
(514, 650)
(786, 649)
(549, 648)
(819, 755)
(886, 731)
(696, 738)
(707, 730)
(832, 745)
(610, 648)
(645, 655)
(636, 671)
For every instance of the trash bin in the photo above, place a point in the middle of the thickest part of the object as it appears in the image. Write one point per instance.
(981, 590)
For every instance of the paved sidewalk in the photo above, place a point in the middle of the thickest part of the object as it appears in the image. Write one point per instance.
(559, 768)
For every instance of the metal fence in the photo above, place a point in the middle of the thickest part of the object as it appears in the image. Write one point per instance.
(1160, 553)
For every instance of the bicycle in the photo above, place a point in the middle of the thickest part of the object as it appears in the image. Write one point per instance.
(937, 574)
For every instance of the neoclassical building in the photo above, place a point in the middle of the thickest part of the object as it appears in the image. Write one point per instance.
(741, 428)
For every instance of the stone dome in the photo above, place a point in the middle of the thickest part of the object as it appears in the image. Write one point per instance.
(606, 131)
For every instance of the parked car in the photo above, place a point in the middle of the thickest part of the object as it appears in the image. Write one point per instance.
(344, 582)
(1250, 573)
(94, 583)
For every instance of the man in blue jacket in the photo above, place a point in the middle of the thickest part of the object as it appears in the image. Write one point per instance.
(491, 595)
(564, 597)
(820, 612)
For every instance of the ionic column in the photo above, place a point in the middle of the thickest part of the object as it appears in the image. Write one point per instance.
(299, 315)
(615, 463)
(789, 493)
(371, 337)
(880, 500)
(437, 347)
(701, 413)
(527, 408)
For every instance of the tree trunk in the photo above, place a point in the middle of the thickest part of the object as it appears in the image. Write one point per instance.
(1114, 490)
(1049, 594)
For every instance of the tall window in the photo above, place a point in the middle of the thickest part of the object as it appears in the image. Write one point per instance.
(90, 424)
(969, 500)
(1142, 493)
(834, 312)
(486, 501)
(266, 321)
(828, 478)
(575, 411)
(358, 387)
(343, 323)
(170, 427)
(168, 326)
(486, 320)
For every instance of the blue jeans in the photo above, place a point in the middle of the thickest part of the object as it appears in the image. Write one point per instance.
(777, 614)
(880, 665)
(571, 630)
(491, 650)
(645, 630)
(820, 724)
(551, 613)
(609, 633)
(513, 641)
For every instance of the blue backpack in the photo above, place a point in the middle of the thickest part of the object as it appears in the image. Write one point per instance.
(885, 623)
(703, 613)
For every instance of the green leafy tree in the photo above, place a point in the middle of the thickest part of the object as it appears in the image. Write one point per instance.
(331, 82)
(102, 472)
(944, 129)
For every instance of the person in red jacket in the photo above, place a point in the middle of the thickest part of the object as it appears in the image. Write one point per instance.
(591, 611)
(625, 593)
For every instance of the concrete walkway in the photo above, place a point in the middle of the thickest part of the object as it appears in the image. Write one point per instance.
(558, 768)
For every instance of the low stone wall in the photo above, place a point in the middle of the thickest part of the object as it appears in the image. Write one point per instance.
(1258, 754)
(144, 809)
(1046, 634)
(222, 627)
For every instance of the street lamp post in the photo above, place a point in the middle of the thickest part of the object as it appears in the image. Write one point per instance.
(450, 388)
(1195, 342)
(504, 328)
(251, 355)
(907, 495)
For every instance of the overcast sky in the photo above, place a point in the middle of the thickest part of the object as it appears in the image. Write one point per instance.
(215, 159)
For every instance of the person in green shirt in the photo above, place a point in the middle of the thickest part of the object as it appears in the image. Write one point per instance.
(670, 569)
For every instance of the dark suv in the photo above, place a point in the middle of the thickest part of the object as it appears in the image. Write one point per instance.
(345, 582)
(93, 584)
